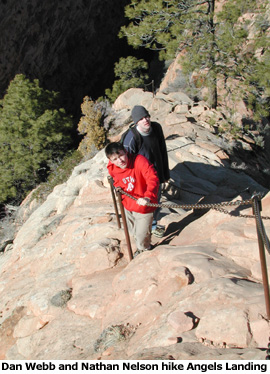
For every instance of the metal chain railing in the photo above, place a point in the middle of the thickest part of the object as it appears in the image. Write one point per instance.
(215, 206)
(218, 207)
(192, 206)
(254, 201)
(239, 215)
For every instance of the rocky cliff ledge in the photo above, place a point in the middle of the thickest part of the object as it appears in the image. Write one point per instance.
(68, 290)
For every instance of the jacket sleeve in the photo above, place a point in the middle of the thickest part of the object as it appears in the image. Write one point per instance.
(130, 143)
(113, 176)
(149, 175)
(164, 153)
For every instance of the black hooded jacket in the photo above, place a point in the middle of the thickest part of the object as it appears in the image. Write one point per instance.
(152, 146)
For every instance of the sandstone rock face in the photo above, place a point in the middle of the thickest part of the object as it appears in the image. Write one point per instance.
(69, 291)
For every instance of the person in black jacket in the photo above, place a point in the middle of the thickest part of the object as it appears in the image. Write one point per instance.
(147, 139)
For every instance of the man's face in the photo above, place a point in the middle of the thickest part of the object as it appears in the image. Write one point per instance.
(119, 159)
(144, 125)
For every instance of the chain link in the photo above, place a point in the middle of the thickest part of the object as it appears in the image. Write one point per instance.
(219, 208)
(239, 215)
(216, 206)
(192, 206)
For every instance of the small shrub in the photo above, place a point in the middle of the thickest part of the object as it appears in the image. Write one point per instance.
(91, 126)
(112, 335)
(7, 229)
(61, 298)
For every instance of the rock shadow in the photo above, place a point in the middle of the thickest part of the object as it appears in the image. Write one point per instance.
(205, 184)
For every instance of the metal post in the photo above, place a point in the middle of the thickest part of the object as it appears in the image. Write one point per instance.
(257, 208)
(125, 225)
(110, 180)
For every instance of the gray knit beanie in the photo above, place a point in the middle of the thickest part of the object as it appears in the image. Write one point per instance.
(138, 112)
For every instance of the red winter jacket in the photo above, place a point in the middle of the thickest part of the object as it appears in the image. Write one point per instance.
(138, 179)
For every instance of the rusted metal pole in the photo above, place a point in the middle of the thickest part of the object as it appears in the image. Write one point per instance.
(110, 180)
(118, 193)
(257, 208)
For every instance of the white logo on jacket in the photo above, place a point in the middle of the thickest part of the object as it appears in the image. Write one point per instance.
(130, 182)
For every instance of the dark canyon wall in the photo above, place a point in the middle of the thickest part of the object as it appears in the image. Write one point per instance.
(69, 45)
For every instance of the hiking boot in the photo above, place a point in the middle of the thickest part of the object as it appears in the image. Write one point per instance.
(158, 231)
(139, 251)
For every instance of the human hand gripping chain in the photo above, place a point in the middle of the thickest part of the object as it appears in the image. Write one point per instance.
(143, 201)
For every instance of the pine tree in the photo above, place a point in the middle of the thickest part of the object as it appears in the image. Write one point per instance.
(33, 132)
(213, 42)
(131, 73)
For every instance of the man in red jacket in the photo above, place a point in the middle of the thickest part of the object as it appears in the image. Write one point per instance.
(135, 175)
